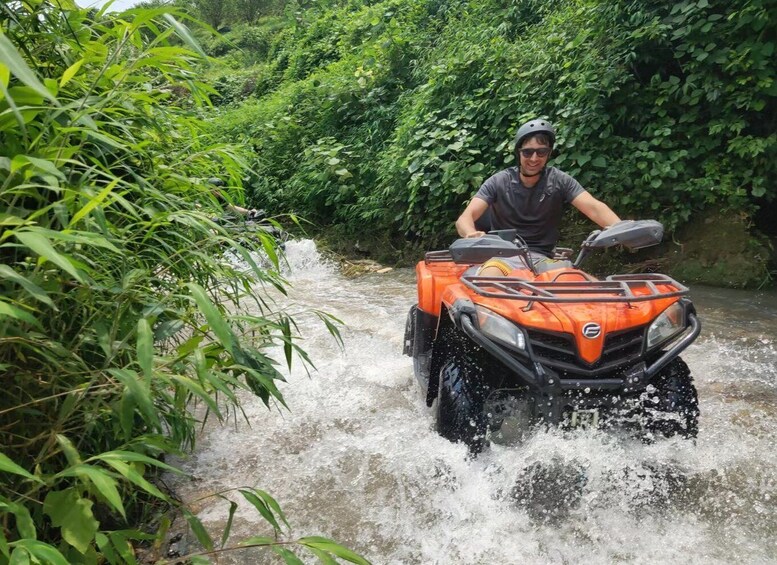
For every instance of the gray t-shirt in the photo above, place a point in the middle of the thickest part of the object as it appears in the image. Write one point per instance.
(535, 212)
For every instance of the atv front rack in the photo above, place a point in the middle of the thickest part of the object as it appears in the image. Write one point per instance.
(615, 288)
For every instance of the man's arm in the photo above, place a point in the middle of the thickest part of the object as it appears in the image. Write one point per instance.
(596, 210)
(237, 209)
(465, 225)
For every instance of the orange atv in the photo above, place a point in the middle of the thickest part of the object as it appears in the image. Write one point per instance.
(551, 343)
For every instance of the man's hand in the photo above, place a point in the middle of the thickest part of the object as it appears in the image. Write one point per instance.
(475, 234)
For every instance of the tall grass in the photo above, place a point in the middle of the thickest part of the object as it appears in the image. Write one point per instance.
(113, 311)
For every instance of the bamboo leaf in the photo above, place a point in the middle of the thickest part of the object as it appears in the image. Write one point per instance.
(167, 329)
(261, 385)
(123, 547)
(198, 391)
(323, 556)
(11, 58)
(104, 483)
(136, 478)
(213, 316)
(8, 466)
(140, 392)
(70, 72)
(228, 527)
(287, 349)
(93, 203)
(43, 552)
(34, 290)
(272, 504)
(66, 4)
(258, 540)
(190, 345)
(20, 556)
(78, 237)
(43, 165)
(145, 350)
(288, 556)
(24, 524)
(11, 311)
(261, 507)
(42, 246)
(329, 546)
(131, 456)
(25, 97)
(183, 32)
(329, 322)
(6, 122)
(70, 451)
(5, 76)
(199, 530)
(126, 411)
(104, 544)
(160, 536)
(107, 487)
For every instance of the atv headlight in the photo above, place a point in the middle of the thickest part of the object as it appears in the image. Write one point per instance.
(499, 328)
(666, 325)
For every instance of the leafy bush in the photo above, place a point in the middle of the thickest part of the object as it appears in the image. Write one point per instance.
(664, 109)
(114, 313)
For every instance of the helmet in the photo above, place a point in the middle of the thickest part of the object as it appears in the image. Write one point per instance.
(215, 181)
(535, 126)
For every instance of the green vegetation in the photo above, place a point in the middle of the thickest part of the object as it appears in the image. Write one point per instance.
(390, 114)
(114, 315)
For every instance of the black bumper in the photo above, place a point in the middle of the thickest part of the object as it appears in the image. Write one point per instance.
(544, 380)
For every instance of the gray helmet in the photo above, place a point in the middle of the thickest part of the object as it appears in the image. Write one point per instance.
(532, 127)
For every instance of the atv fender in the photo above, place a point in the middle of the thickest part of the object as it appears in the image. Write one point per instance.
(420, 329)
(431, 279)
(439, 352)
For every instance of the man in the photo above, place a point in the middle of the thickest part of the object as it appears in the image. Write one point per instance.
(530, 198)
(251, 214)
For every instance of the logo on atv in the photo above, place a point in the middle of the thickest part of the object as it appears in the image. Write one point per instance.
(592, 330)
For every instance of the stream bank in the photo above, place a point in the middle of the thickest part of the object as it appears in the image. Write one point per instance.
(725, 251)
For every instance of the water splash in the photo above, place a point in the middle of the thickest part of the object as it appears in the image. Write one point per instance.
(357, 457)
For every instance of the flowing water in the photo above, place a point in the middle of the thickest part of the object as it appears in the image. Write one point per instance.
(357, 459)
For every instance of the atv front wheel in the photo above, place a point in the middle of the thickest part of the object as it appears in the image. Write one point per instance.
(460, 414)
(672, 408)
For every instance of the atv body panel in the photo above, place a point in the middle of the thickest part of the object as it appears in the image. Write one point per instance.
(552, 344)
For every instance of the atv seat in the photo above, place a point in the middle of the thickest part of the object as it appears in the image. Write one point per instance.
(542, 263)
(545, 264)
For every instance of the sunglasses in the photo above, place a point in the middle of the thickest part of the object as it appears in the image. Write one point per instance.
(541, 152)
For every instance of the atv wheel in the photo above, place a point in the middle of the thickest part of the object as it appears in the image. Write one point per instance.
(460, 414)
(673, 407)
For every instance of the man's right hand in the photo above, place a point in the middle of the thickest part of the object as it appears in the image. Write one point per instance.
(475, 234)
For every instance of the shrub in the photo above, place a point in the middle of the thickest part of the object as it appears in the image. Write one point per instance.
(113, 315)
(664, 109)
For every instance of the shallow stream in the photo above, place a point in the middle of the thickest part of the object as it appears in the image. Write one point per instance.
(357, 459)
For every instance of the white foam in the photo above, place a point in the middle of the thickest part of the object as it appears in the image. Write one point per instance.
(357, 458)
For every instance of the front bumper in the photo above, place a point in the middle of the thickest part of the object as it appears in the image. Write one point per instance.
(548, 382)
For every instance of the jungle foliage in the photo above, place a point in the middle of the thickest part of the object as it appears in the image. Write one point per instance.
(391, 113)
(117, 311)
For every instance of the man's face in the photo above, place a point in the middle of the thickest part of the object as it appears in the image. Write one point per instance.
(533, 164)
